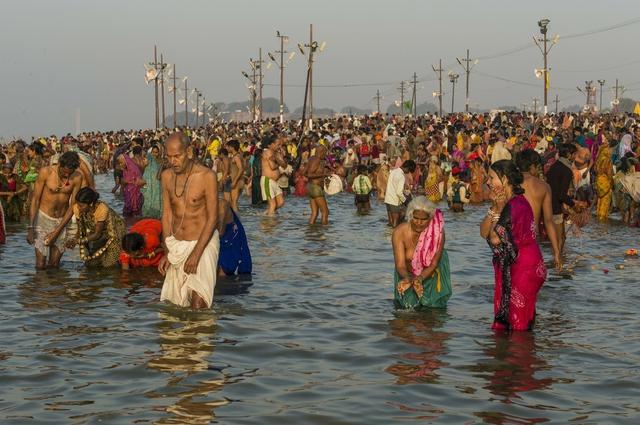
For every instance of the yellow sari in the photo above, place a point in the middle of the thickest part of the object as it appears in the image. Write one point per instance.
(604, 182)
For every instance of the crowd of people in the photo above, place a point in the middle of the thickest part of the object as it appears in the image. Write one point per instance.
(181, 191)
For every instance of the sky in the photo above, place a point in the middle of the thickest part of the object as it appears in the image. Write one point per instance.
(65, 61)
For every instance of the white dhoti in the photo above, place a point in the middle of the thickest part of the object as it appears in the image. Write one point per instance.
(178, 285)
(44, 226)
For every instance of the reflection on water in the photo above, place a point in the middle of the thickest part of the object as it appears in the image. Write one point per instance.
(316, 339)
(420, 330)
(186, 347)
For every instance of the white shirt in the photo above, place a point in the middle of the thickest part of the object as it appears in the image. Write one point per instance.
(395, 188)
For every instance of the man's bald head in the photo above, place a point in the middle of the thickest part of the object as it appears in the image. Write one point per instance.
(180, 138)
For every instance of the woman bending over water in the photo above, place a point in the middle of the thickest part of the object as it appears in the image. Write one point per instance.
(422, 276)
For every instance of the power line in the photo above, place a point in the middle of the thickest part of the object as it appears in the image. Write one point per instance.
(523, 83)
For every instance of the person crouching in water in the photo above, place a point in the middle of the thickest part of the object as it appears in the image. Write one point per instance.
(422, 276)
(235, 257)
(362, 189)
(458, 192)
(142, 247)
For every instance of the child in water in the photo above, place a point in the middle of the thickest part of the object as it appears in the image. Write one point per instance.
(362, 189)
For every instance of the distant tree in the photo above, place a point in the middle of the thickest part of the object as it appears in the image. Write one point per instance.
(355, 110)
(573, 109)
(626, 104)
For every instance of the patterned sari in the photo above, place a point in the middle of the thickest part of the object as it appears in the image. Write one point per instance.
(104, 251)
(604, 181)
(132, 194)
(519, 267)
(152, 190)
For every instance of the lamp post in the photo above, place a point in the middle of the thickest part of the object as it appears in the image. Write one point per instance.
(453, 78)
(601, 82)
(545, 49)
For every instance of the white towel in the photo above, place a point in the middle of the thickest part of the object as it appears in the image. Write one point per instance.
(178, 285)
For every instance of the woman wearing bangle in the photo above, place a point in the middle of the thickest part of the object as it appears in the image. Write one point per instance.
(99, 230)
(422, 275)
(517, 261)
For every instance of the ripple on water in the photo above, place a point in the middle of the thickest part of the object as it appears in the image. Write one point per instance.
(316, 338)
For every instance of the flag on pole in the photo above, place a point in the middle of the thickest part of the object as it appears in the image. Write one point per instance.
(636, 110)
(150, 73)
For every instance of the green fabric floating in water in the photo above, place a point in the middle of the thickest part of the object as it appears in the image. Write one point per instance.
(432, 296)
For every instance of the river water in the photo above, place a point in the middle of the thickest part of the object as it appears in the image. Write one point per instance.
(316, 339)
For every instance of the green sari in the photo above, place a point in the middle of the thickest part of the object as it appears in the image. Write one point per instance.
(436, 289)
(152, 191)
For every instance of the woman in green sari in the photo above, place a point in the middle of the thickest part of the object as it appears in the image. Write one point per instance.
(422, 275)
(152, 191)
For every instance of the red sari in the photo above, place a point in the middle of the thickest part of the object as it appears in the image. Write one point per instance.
(519, 267)
(2, 231)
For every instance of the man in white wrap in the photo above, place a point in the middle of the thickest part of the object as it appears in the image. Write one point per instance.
(189, 217)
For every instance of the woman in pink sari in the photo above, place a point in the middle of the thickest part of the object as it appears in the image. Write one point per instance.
(517, 261)
(132, 181)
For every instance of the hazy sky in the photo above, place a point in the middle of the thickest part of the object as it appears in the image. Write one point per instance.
(60, 56)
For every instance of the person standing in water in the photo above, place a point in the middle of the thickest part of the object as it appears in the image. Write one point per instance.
(51, 204)
(189, 219)
(315, 173)
(422, 275)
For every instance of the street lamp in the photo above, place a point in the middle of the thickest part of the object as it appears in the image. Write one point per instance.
(453, 78)
(542, 45)
(601, 82)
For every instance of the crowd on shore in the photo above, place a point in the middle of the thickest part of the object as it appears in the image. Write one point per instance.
(567, 167)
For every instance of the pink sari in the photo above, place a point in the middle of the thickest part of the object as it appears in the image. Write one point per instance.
(131, 176)
(519, 267)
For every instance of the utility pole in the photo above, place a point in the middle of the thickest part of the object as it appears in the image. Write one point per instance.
(155, 81)
(556, 102)
(254, 92)
(414, 97)
(438, 71)
(535, 105)
(601, 82)
(162, 67)
(453, 78)
(203, 110)
(186, 104)
(197, 107)
(282, 38)
(544, 48)
(260, 85)
(308, 91)
(402, 98)
(467, 69)
(619, 90)
(377, 98)
(175, 89)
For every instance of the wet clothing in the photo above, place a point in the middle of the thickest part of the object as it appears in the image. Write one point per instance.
(235, 256)
(518, 265)
(560, 178)
(436, 289)
(104, 251)
(151, 231)
(315, 191)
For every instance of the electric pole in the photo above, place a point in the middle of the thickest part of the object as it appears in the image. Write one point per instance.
(162, 67)
(308, 91)
(260, 83)
(544, 48)
(155, 82)
(556, 102)
(467, 69)
(186, 104)
(175, 89)
(619, 90)
(601, 82)
(377, 98)
(453, 78)
(311, 49)
(535, 105)
(282, 38)
(197, 108)
(438, 71)
(402, 89)
(413, 97)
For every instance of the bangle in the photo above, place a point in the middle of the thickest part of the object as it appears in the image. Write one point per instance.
(494, 216)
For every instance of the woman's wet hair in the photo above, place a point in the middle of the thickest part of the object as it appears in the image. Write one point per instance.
(37, 148)
(506, 168)
(86, 195)
(420, 203)
(132, 242)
